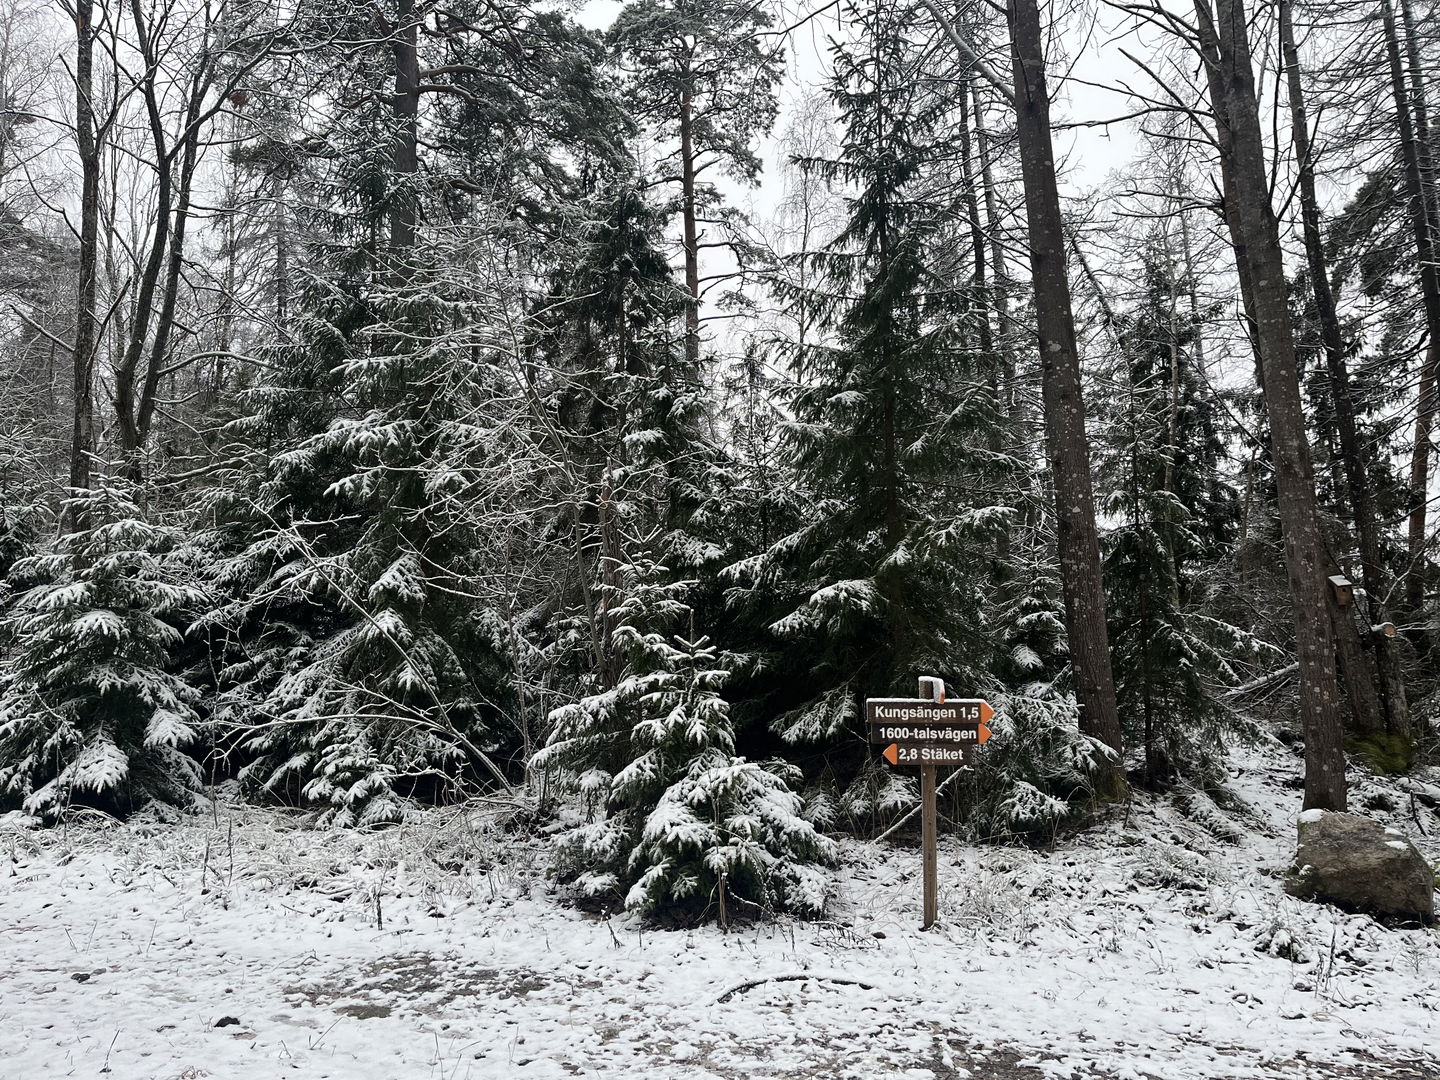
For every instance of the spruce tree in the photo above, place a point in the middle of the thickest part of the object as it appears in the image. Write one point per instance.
(1173, 515)
(884, 579)
(370, 624)
(356, 609)
(92, 708)
(678, 824)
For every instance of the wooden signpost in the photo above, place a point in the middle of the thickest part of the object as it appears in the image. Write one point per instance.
(928, 731)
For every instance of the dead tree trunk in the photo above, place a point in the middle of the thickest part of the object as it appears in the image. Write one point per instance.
(977, 304)
(280, 234)
(1225, 49)
(1066, 444)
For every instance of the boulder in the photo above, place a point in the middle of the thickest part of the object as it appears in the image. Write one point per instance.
(1360, 865)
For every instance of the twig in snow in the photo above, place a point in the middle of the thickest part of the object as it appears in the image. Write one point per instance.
(1414, 810)
(316, 1044)
(106, 1067)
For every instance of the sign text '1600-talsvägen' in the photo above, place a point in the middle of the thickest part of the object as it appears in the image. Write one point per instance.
(950, 733)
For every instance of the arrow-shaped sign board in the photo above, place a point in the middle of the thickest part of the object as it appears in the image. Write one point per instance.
(927, 753)
(910, 720)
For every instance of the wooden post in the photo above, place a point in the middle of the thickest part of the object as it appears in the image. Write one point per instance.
(935, 689)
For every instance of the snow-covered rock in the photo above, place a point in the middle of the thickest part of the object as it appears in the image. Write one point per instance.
(1360, 865)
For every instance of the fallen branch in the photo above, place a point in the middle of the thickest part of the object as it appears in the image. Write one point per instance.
(916, 808)
(1263, 681)
(798, 976)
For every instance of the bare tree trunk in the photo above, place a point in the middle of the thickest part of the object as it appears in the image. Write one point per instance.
(977, 304)
(1225, 49)
(1065, 438)
(1357, 480)
(158, 362)
(82, 439)
(405, 159)
(1000, 272)
(128, 366)
(1366, 709)
(1419, 106)
(280, 228)
(1012, 400)
(1423, 225)
(691, 238)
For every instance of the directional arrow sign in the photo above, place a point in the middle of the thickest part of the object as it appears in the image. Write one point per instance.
(927, 753)
(914, 731)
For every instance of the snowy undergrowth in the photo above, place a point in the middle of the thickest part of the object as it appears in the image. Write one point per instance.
(240, 944)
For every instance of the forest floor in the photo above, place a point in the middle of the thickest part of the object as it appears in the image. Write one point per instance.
(1156, 944)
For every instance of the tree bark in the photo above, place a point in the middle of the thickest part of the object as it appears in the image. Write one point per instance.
(1225, 49)
(150, 330)
(1000, 272)
(1357, 481)
(691, 239)
(280, 231)
(977, 304)
(1423, 226)
(1367, 713)
(82, 438)
(1065, 438)
(405, 159)
(128, 366)
(170, 293)
(1419, 106)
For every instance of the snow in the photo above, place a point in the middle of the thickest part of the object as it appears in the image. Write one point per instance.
(1310, 817)
(236, 944)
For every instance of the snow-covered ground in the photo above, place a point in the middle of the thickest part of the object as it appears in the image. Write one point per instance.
(1156, 944)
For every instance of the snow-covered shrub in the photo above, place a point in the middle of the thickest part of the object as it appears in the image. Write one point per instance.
(1283, 935)
(1170, 866)
(91, 710)
(1035, 773)
(1202, 809)
(17, 540)
(679, 824)
(877, 795)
